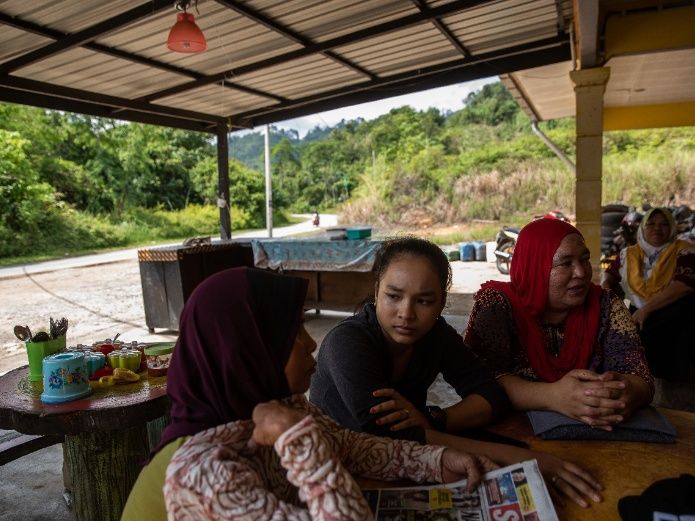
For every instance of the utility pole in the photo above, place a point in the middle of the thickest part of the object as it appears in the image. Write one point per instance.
(268, 185)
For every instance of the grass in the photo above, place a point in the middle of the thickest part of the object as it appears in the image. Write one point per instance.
(137, 229)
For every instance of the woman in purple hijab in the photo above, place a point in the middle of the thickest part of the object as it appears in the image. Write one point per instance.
(243, 440)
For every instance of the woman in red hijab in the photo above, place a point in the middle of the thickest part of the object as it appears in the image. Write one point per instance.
(555, 340)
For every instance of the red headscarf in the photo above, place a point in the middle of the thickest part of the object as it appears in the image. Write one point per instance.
(528, 295)
(237, 331)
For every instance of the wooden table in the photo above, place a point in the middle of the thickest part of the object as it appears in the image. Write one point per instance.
(623, 468)
(106, 436)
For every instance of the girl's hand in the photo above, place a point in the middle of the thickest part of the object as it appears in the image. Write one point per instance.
(567, 480)
(458, 465)
(272, 419)
(398, 411)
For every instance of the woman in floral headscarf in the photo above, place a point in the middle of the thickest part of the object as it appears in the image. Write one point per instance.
(554, 340)
(243, 442)
(657, 276)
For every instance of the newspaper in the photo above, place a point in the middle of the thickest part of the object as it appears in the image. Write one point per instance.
(513, 493)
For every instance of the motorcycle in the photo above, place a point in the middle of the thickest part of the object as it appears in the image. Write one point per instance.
(506, 241)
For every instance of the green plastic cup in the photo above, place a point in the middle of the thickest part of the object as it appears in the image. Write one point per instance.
(37, 351)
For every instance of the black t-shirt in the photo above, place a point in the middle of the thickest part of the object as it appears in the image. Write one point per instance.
(354, 361)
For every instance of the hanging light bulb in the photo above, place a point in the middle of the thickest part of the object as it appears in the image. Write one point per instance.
(186, 36)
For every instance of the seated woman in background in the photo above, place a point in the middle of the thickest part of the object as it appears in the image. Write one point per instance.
(657, 276)
(556, 341)
(239, 444)
(374, 368)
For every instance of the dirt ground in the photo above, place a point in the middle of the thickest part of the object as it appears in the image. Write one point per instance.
(100, 301)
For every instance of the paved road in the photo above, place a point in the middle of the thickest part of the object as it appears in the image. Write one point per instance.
(327, 220)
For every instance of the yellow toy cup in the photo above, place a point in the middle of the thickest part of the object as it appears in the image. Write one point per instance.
(37, 351)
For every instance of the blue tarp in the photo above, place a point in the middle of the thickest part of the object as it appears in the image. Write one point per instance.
(315, 255)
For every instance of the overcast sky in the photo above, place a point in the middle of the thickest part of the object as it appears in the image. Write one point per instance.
(443, 98)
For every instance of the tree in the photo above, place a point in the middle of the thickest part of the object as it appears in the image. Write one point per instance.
(491, 105)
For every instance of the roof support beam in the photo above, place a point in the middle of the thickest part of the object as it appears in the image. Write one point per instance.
(86, 35)
(111, 102)
(586, 32)
(369, 32)
(31, 27)
(650, 116)
(517, 58)
(520, 96)
(48, 101)
(260, 18)
(650, 31)
(422, 5)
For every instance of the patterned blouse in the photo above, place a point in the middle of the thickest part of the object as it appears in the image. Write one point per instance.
(307, 475)
(491, 333)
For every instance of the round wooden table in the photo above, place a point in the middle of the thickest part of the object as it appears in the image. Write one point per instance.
(106, 436)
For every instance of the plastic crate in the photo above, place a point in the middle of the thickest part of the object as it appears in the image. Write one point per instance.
(358, 233)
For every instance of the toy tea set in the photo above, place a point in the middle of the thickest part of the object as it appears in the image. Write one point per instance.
(66, 373)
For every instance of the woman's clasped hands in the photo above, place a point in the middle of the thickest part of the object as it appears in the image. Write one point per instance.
(599, 400)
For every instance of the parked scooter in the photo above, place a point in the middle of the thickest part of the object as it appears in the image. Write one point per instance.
(506, 241)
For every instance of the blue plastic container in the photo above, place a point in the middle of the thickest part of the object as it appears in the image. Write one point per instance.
(480, 254)
(467, 250)
(358, 233)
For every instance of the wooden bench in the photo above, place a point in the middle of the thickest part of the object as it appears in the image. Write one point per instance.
(14, 445)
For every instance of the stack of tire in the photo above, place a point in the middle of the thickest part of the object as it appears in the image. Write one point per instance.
(611, 217)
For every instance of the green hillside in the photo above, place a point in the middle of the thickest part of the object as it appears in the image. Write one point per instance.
(73, 183)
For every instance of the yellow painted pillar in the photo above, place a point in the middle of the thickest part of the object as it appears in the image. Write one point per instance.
(589, 86)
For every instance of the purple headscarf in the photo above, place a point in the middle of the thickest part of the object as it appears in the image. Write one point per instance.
(237, 331)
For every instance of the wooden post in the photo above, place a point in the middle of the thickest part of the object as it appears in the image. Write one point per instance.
(108, 463)
(589, 86)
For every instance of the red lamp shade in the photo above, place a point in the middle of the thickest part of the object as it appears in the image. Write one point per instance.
(186, 36)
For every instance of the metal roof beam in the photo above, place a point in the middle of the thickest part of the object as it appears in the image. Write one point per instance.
(31, 27)
(369, 32)
(83, 107)
(586, 31)
(517, 92)
(521, 57)
(441, 26)
(291, 34)
(112, 102)
(86, 35)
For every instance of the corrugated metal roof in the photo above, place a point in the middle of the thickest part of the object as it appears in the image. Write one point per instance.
(267, 59)
(653, 76)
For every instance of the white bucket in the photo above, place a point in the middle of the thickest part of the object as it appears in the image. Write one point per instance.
(490, 248)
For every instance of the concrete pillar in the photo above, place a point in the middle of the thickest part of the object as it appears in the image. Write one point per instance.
(589, 86)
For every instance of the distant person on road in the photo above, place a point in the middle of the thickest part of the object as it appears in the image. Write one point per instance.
(374, 369)
(657, 276)
(554, 340)
(317, 219)
(243, 442)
